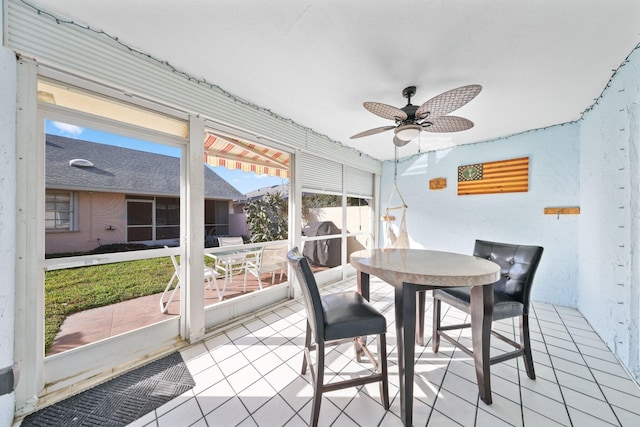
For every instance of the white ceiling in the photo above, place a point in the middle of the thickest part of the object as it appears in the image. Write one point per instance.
(540, 62)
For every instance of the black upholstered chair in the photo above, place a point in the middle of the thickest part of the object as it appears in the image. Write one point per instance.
(332, 319)
(511, 294)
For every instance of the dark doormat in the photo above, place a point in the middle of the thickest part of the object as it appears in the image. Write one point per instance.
(121, 400)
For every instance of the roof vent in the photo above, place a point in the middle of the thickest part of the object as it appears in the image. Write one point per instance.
(81, 163)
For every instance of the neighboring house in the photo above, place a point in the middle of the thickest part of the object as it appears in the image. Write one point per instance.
(283, 189)
(99, 194)
(357, 217)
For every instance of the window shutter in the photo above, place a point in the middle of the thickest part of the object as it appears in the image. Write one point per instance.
(359, 183)
(320, 174)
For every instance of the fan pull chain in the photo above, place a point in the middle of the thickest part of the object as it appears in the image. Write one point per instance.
(395, 164)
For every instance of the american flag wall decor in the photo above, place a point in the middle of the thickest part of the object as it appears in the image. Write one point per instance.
(504, 176)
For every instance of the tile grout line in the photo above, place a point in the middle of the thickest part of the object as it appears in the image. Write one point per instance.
(592, 376)
(440, 386)
(296, 412)
(513, 327)
(590, 372)
(544, 342)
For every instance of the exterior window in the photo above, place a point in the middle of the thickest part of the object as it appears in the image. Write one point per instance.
(154, 219)
(216, 218)
(139, 220)
(167, 218)
(322, 216)
(359, 216)
(59, 211)
(159, 218)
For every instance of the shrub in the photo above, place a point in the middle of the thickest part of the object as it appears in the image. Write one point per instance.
(267, 218)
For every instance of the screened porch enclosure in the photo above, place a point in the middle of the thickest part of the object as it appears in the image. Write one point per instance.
(126, 204)
(169, 112)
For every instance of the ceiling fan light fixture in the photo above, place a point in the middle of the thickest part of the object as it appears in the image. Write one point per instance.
(408, 132)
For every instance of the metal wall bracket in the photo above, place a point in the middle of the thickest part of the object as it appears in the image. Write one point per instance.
(562, 211)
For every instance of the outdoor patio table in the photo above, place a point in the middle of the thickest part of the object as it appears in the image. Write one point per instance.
(230, 262)
(408, 270)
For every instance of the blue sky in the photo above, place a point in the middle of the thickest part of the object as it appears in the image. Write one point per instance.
(242, 181)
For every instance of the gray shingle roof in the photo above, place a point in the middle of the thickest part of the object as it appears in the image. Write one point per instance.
(122, 170)
(283, 189)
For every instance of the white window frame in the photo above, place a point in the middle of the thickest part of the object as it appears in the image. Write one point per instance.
(72, 212)
(154, 222)
(96, 360)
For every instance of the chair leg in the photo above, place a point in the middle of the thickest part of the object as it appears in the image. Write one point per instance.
(525, 341)
(215, 283)
(257, 274)
(318, 386)
(224, 287)
(307, 347)
(420, 308)
(382, 363)
(435, 338)
(164, 306)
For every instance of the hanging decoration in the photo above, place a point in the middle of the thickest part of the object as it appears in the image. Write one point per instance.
(401, 239)
(438, 183)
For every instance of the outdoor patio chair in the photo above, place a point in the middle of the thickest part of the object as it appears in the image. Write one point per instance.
(333, 319)
(274, 259)
(230, 241)
(252, 264)
(210, 275)
(230, 264)
(511, 293)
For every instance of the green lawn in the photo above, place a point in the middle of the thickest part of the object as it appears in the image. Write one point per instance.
(73, 290)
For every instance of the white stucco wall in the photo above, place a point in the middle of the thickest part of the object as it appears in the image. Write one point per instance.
(591, 260)
(442, 220)
(609, 227)
(8, 89)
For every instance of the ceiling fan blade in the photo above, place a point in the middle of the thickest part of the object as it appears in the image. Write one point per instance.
(448, 124)
(372, 131)
(385, 111)
(447, 102)
(399, 142)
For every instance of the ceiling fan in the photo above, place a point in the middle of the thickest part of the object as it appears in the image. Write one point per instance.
(430, 116)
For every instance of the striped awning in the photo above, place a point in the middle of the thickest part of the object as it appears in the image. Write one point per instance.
(249, 157)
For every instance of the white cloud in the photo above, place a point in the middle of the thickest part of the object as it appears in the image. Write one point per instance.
(67, 129)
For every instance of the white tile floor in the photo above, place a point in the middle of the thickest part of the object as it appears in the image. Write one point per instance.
(249, 376)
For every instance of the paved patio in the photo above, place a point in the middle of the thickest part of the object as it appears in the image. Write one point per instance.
(99, 323)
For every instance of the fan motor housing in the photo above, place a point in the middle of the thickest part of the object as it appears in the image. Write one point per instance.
(410, 109)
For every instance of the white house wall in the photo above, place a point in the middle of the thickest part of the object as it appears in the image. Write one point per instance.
(8, 89)
(591, 260)
(102, 220)
(609, 227)
(442, 220)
